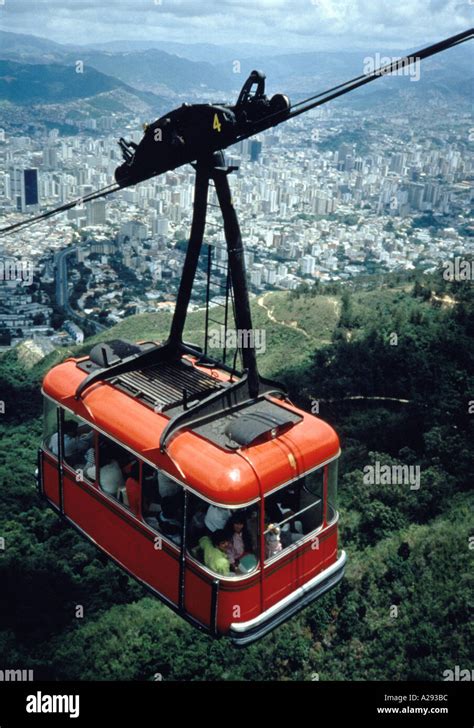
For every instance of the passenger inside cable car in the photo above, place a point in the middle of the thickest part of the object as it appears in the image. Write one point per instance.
(294, 511)
(214, 548)
(132, 488)
(239, 540)
(77, 438)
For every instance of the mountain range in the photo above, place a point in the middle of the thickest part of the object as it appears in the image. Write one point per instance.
(37, 70)
(52, 83)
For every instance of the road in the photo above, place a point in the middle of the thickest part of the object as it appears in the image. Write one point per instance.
(62, 294)
(60, 265)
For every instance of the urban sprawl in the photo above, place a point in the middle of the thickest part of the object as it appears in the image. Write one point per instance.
(325, 198)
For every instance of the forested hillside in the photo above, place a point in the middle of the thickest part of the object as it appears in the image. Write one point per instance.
(389, 363)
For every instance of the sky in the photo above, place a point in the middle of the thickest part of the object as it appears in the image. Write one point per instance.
(289, 24)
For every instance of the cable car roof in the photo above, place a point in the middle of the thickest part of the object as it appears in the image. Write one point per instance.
(226, 476)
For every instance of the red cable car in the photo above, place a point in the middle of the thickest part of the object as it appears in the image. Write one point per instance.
(205, 484)
(279, 489)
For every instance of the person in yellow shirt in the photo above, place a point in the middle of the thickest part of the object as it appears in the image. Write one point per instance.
(215, 549)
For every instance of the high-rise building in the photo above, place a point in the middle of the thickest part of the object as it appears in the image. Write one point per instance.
(255, 150)
(348, 163)
(24, 184)
(50, 157)
(133, 231)
(249, 258)
(160, 226)
(397, 163)
(415, 195)
(5, 186)
(307, 265)
(256, 275)
(96, 213)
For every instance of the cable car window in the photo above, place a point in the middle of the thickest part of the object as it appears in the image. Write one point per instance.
(50, 426)
(162, 504)
(119, 474)
(224, 540)
(331, 514)
(151, 507)
(293, 512)
(78, 438)
(78, 444)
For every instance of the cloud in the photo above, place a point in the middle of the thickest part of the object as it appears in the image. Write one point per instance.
(304, 24)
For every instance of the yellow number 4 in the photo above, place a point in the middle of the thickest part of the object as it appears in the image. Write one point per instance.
(217, 124)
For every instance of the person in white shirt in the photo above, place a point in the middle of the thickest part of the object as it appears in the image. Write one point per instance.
(167, 487)
(111, 478)
(216, 518)
(74, 442)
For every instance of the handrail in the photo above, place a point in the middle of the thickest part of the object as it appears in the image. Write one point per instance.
(294, 515)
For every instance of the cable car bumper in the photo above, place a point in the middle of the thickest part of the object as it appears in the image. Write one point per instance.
(243, 633)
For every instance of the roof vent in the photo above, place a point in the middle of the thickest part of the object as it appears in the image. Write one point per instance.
(107, 354)
(258, 426)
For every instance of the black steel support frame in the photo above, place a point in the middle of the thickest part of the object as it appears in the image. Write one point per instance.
(250, 386)
(228, 296)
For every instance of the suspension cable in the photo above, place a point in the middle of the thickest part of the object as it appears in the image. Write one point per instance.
(103, 192)
(343, 88)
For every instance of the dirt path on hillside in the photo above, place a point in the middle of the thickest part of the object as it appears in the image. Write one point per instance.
(292, 325)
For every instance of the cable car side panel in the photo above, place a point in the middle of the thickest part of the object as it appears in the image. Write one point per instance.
(50, 478)
(317, 554)
(121, 536)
